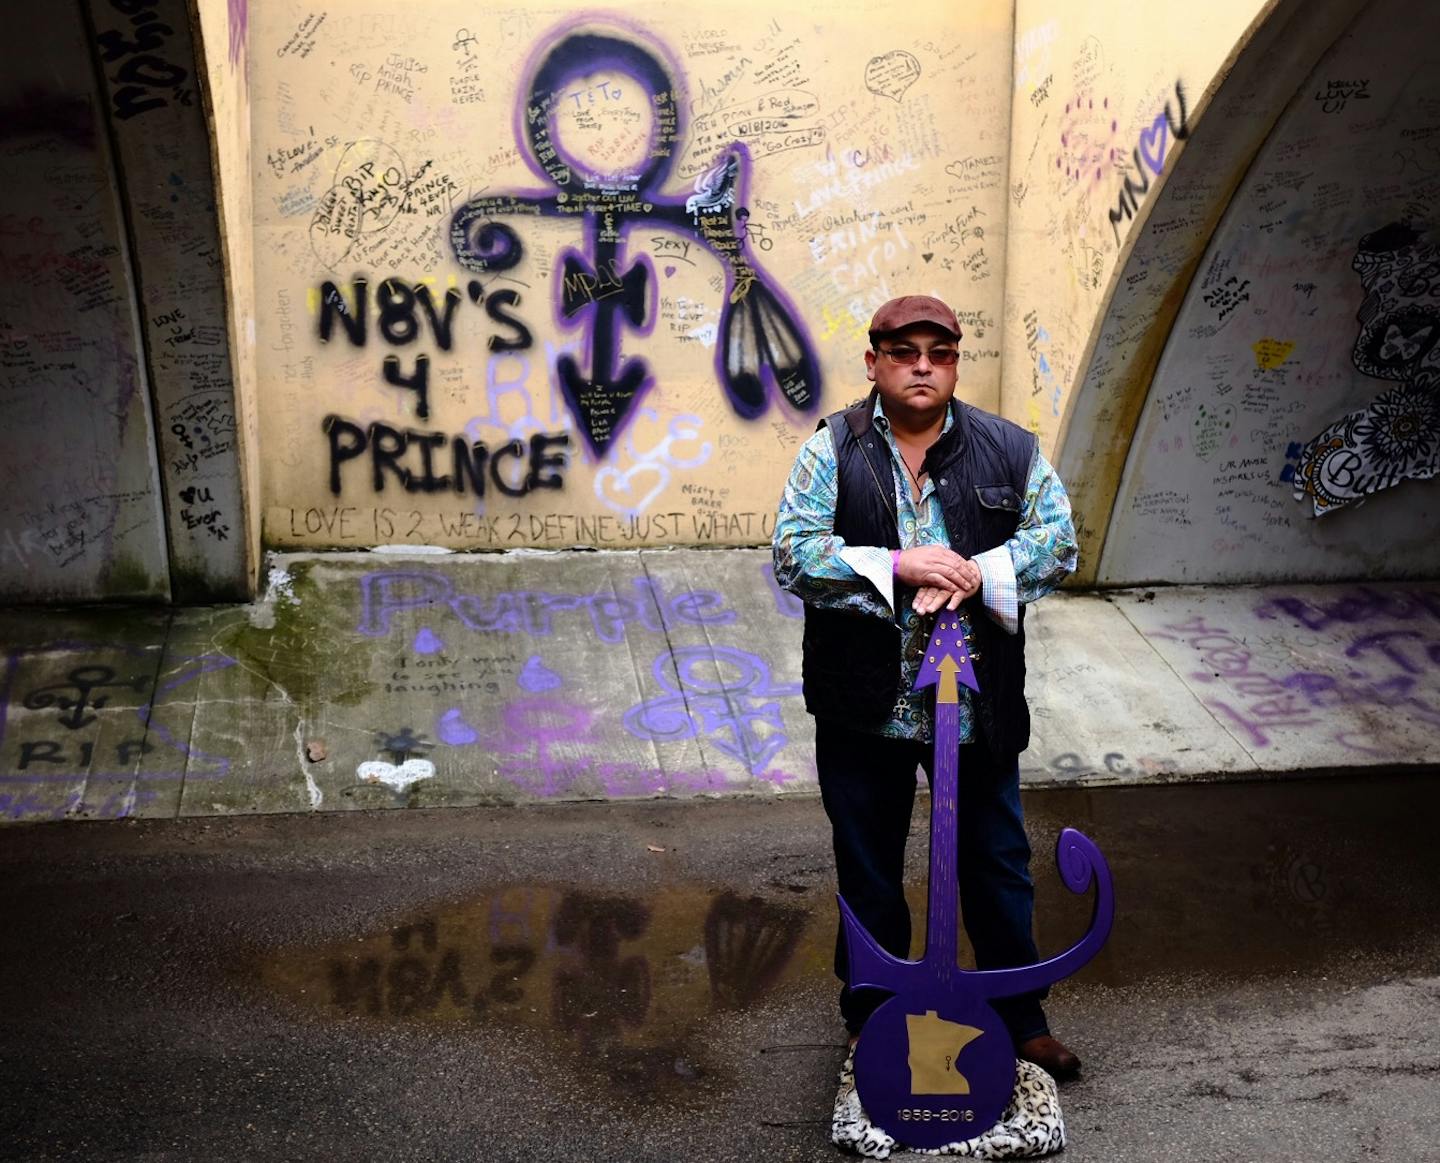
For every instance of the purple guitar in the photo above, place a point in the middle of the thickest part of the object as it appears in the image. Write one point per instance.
(935, 1064)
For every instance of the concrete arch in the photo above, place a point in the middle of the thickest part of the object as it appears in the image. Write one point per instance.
(1229, 124)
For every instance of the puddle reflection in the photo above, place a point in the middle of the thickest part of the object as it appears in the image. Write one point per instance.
(623, 980)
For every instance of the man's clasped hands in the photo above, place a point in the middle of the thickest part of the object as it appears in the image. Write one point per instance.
(943, 579)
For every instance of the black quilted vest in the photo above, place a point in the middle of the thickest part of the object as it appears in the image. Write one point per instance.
(851, 662)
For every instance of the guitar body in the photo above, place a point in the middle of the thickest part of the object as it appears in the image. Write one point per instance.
(935, 1067)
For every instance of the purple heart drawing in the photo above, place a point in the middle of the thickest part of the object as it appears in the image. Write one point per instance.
(454, 730)
(536, 676)
(669, 271)
(1158, 133)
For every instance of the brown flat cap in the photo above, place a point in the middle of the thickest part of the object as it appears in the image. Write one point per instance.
(908, 310)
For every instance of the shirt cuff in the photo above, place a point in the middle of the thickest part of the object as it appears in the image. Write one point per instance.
(998, 588)
(873, 564)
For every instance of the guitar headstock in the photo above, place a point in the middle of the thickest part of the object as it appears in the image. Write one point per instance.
(948, 659)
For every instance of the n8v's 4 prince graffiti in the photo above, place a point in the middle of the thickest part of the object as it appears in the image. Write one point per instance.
(761, 348)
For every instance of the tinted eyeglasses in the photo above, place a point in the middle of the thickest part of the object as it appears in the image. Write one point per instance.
(905, 354)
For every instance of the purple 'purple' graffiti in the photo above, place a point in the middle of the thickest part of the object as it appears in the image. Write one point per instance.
(384, 594)
(703, 698)
(761, 349)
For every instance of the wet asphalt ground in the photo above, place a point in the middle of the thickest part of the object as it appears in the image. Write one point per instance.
(652, 981)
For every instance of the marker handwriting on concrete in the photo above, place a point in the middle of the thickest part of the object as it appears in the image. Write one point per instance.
(891, 74)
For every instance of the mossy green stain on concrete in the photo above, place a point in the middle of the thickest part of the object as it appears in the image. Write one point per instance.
(127, 579)
(189, 585)
(276, 792)
(310, 651)
(192, 585)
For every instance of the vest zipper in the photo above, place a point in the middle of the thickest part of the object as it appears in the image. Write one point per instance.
(890, 502)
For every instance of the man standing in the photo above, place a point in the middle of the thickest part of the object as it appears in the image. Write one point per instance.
(902, 505)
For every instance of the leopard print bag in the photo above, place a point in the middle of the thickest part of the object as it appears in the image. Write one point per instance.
(1031, 1125)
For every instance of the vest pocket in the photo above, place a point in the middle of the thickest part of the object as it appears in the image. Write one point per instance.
(998, 497)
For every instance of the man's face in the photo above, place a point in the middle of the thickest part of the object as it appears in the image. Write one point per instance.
(918, 389)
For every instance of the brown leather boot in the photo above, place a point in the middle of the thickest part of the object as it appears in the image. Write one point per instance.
(1051, 1055)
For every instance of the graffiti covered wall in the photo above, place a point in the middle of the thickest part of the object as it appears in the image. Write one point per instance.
(80, 506)
(146, 51)
(121, 478)
(222, 60)
(1103, 101)
(1293, 426)
(535, 279)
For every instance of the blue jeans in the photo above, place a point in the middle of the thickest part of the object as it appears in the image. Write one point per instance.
(867, 784)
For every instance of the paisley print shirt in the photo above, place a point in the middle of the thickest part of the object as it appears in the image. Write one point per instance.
(822, 570)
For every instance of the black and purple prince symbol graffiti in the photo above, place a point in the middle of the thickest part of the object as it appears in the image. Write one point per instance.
(760, 347)
(935, 1064)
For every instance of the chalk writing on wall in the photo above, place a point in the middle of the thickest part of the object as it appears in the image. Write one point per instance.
(1390, 661)
(716, 690)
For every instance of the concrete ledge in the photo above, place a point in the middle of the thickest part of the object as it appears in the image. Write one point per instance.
(421, 680)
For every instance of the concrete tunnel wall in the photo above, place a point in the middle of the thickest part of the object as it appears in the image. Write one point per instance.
(79, 492)
(122, 471)
(865, 174)
(222, 54)
(1264, 209)
(385, 297)
(1293, 426)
